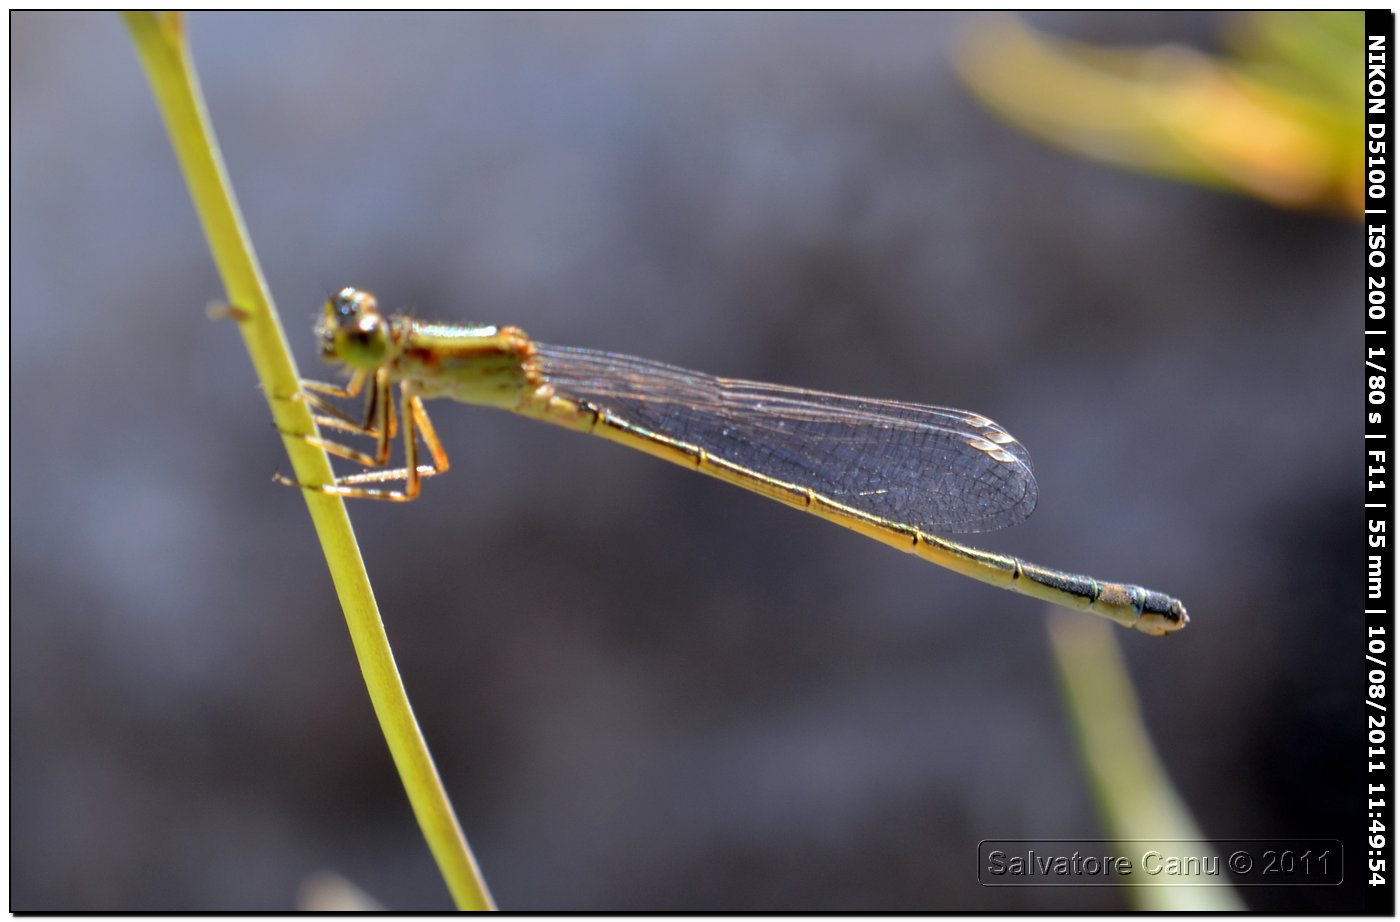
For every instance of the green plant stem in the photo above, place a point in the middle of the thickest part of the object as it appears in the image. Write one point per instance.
(160, 43)
(1134, 795)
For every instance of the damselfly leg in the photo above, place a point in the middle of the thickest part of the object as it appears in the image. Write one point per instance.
(381, 422)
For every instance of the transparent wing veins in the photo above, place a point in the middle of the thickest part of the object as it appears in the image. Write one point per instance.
(936, 468)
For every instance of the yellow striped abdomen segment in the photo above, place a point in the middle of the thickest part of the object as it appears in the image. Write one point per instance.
(1130, 606)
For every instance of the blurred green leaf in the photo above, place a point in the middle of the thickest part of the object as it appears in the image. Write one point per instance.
(1279, 119)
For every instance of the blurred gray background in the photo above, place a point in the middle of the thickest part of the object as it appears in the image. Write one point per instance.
(647, 689)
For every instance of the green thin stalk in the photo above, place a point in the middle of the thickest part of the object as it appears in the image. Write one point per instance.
(160, 43)
(1135, 797)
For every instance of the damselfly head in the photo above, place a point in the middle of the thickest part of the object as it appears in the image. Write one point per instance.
(352, 331)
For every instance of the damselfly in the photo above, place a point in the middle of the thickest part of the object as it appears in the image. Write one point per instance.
(896, 472)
